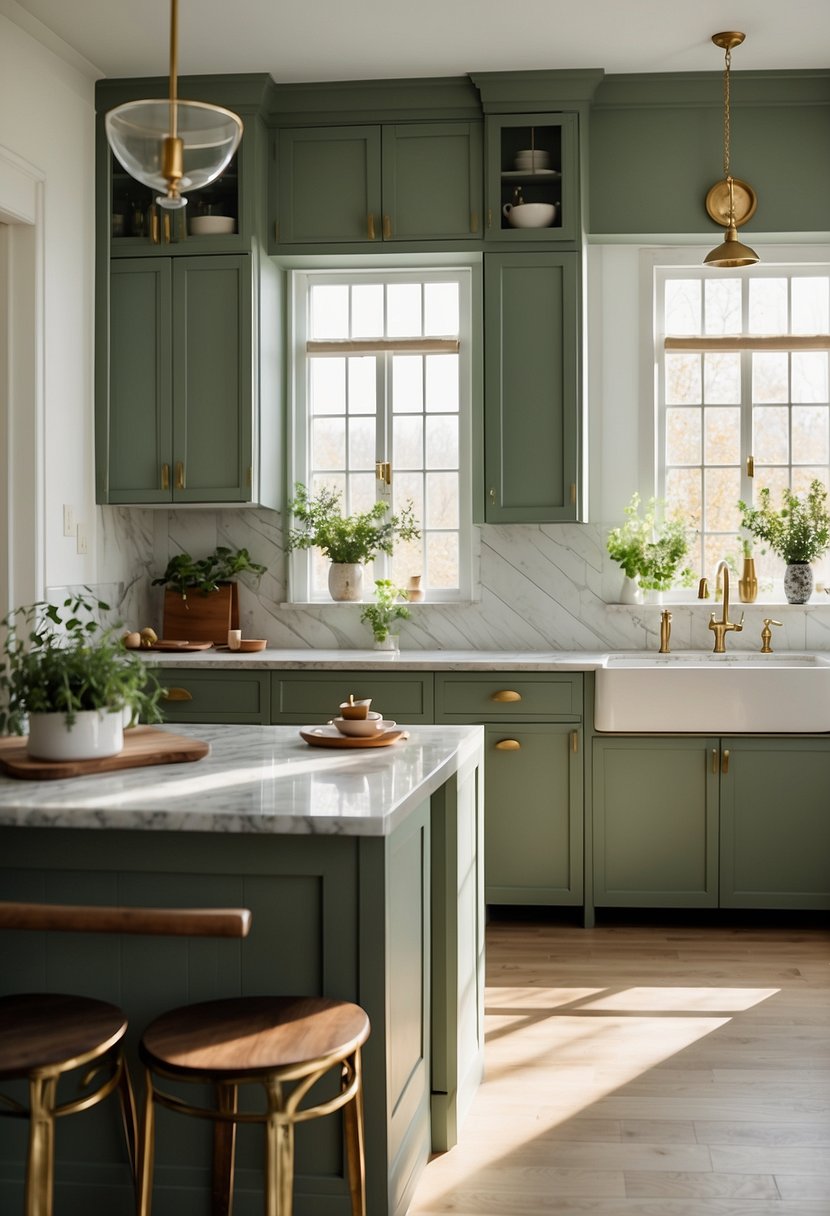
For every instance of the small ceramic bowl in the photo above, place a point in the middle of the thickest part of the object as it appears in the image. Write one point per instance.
(250, 644)
(212, 225)
(355, 710)
(357, 728)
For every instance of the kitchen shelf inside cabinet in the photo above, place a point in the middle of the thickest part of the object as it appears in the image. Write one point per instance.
(541, 181)
(135, 215)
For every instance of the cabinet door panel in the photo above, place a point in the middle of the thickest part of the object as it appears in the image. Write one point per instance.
(305, 697)
(775, 825)
(139, 419)
(533, 815)
(531, 410)
(329, 184)
(432, 181)
(655, 822)
(212, 378)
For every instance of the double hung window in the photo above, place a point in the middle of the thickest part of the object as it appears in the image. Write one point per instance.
(381, 411)
(742, 386)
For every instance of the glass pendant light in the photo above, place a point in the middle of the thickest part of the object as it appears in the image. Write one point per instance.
(172, 145)
(731, 252)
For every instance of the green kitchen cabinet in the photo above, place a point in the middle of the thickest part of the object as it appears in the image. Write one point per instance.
(242, 697)
(532, 412)
(655, 821)
(774, 823)
(533, 159)
(302, 697)
(378, 184)
(175, 413)
(533, 776)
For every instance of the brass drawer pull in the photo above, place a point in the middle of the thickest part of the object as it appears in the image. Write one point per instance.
(715, 760)
(508, 745)
(370, 226)
(179, 474)
(176, 694)
(505, 694)
(387, 227)
(724, 768)
(165, 477)
(574, 741)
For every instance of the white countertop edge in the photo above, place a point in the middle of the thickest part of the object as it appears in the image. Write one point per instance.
(377, 660)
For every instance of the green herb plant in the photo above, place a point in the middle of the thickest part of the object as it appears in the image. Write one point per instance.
(347, 539)
(185, 574)
(60, 659)
(386, 610)
(649, 549)
(799, 531)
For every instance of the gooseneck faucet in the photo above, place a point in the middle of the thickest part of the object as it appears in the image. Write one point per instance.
(724, 625)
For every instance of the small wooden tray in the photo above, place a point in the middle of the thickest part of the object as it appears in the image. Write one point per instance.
(143, 746)
(164, 644)
(329, 736)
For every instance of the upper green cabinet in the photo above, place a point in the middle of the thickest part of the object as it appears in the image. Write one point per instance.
(531, 387)
(176, 425)
(379, 184)
(532, 178)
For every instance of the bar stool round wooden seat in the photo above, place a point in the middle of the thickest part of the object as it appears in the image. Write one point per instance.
(285, 1045)
(44, 1036)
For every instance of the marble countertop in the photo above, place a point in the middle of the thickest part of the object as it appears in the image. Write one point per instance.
(257, 779)
(380, 660)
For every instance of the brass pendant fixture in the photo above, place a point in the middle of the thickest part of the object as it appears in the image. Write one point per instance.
(173, 145)
(721, 199)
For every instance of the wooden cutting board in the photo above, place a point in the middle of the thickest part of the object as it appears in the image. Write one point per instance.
(143, 746)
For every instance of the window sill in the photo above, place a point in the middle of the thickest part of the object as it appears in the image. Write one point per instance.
(710, 605)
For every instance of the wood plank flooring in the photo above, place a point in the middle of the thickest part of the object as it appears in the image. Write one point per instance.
(636, 1070)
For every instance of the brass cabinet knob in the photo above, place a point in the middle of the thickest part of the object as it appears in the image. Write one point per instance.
(508, 745)
(505, 694)
(176, 694)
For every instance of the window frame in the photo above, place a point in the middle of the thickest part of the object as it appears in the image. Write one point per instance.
(301, 279)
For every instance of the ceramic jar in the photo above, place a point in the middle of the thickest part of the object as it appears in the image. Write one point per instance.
(93, 735)
(798, 582)
(346, 581)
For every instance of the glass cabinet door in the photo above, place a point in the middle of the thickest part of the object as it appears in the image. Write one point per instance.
(212, 213)
(533, 187)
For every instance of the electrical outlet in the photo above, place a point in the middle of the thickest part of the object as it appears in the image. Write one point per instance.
(82, 542)
(68, 519)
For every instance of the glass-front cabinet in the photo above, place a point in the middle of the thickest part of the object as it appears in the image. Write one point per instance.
(136, 219)
(532, 178)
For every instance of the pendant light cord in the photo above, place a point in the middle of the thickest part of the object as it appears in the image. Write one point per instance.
(174, 57)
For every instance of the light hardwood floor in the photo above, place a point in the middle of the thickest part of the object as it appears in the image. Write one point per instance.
(644, 1071)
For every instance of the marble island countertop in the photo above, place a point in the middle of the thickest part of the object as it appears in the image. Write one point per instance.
(382, 660)
(257, 779)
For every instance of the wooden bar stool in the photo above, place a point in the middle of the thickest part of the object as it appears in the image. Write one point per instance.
(44, 1036)
(284, 1045)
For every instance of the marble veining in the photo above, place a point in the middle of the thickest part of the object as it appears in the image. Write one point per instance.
(256, 779)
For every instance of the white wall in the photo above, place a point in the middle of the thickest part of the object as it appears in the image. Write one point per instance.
(47, 120)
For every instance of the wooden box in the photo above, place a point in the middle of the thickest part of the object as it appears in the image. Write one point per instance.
(200, 617)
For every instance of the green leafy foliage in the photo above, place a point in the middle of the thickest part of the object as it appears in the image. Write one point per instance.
(60, 659)
(651, 550)
(386, 610)
(799, 531)
(185, 574)
(347, 538)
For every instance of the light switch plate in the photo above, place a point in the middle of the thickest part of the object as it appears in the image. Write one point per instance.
(82, 542)
(68, 519)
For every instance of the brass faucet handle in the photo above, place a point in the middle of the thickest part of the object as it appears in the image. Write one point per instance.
(740, 624)
(766, 634)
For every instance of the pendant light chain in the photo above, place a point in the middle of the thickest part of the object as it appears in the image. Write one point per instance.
(726, 99)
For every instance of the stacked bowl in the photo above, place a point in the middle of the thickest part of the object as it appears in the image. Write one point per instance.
(531, 160)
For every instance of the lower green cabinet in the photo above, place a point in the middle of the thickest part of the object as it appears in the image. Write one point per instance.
(655, 819)
(314, 696)
(242, 697)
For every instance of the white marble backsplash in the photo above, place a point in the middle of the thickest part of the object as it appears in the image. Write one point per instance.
(542, 587)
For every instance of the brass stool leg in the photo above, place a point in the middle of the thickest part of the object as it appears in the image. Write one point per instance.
(146, 1146)
(129, 1117)
(224, 1148)
(40, 1164)
(279, 1154)
(353, 1127)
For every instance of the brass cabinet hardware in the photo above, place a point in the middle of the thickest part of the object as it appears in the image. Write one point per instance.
(573, 492)
(473, 221)
(179, 474)
(383, 471)
(750, 466)
(766, 634)
(370, 226)
(508, 745)
(387, 227)
(493, 494)
(574, 741)
(155, 236)
(165, 477)
(176, 694)
(715, 761)
(166, 228)
(505, 694)
(724, 764)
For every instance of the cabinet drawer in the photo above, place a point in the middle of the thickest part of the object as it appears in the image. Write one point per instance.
(314, 696)
(207, 696)
(506, 695)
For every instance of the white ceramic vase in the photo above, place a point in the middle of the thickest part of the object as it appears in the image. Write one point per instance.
(630, 593)
(93, 735)
(798, 582)
(652, 596)
(346, 581)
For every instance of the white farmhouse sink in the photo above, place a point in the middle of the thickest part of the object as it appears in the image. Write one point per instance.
(713, 693)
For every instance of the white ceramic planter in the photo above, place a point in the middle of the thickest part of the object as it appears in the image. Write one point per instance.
(93, 735)
(346, 581)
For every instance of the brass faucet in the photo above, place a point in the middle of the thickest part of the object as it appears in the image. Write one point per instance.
(724, 625)
(665, 631)
(766, 634)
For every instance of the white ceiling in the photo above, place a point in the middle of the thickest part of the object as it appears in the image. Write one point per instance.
(366, 39)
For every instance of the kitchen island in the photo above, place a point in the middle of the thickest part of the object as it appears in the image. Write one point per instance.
(362, 869)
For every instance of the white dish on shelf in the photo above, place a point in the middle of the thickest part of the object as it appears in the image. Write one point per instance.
(514, 173)
(212, 225)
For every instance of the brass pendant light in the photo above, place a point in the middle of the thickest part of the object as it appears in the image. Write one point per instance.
(731, 252)
(173, 145)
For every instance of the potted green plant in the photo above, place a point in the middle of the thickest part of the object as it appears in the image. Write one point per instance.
(201, 600)
(72, 680)
(650, 550)
(384, 612)
(348, 541)
(798, 532)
